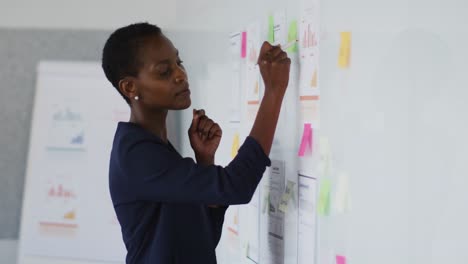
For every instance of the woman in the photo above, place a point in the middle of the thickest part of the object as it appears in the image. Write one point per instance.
(162, 200)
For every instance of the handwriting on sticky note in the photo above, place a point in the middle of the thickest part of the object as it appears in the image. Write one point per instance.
(340, 259)
(292, 36)
(324, 196)
(235, 145)
(244, 44)
(306, 141)
(345, 50)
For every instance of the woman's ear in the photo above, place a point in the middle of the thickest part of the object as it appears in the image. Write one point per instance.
(127, 87)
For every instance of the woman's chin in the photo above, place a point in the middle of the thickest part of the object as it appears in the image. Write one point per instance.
(184, 105)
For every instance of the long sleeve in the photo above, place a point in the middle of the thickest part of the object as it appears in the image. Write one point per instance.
(217, 220)
(152, 172)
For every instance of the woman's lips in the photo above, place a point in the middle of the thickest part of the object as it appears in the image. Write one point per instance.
(184, 92)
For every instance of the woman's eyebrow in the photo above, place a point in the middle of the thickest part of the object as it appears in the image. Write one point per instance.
(165, 61)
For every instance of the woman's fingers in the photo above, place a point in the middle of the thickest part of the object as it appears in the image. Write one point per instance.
(215, 130)
(274, 52)
(205, 129)
(282, 55)
(204, 126)
(201, 124)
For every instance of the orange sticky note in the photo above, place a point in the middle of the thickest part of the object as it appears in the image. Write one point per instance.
(345, 50)
(306, 141)
(340, 259)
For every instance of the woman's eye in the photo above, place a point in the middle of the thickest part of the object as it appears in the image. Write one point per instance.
(166, 73)
(179, 62)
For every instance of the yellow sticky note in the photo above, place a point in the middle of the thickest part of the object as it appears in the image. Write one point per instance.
(235, 145)
(324, 197)
(345, 50)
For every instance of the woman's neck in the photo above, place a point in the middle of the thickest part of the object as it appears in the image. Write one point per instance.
(154, 121)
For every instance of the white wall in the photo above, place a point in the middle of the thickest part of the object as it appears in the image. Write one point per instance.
(396, 123)
(86, 14)
(199, 15)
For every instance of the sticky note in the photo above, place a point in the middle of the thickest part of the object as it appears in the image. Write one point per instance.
(289, 188)
(345, 50)
(283, 207)
(286, 197)
(292, 36)
(235, 145)
(271, 29)
(244, 44)
(306, 141)
(324, 196)
(342, 200)
(340, 259)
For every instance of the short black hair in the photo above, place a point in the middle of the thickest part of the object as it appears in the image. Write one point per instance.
(120, 56)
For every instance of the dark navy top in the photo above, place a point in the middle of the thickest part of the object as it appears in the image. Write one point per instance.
(161, 199)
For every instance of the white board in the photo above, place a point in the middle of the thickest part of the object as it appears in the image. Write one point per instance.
(67, 210)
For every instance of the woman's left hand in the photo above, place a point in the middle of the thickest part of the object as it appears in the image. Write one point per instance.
(204, 135)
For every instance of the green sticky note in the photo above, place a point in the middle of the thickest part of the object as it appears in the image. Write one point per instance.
(271, 29)
(292, 36)
(324, 197)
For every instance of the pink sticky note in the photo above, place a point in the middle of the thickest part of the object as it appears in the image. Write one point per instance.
(340, 259)
(306, 141)
(310, 136)
(244, 45)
